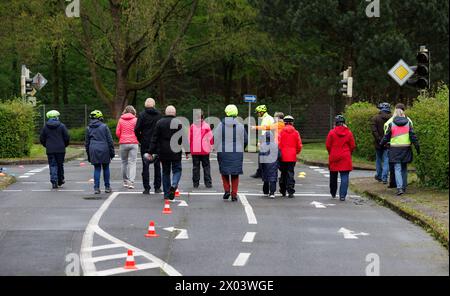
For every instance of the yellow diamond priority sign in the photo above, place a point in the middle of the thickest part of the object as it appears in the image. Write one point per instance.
(401, 72)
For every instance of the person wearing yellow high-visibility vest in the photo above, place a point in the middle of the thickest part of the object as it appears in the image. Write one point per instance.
(392, 183)
(400, 135)
(266, 123)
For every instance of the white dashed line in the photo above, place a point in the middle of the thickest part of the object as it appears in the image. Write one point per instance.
(241, 259)
(104, 247)
(248, 210)
(249, 237)
(23, 177)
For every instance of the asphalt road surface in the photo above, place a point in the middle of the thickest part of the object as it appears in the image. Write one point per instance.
(66, 232)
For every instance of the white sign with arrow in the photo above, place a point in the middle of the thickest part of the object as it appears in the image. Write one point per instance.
(350, 234)
(320, 205)
(182, 235)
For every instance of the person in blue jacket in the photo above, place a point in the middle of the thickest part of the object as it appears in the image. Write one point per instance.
(100, 149)
(55, 138)
(269, 155)
(230, 142)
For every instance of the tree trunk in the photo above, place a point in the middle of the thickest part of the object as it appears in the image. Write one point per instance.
(55, 74)
(65, 85)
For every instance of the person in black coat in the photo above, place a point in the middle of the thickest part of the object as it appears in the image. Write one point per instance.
(55, 138)
(230, 142)
(382, 159)
(144, 131)
(169, 151)
(100, 149)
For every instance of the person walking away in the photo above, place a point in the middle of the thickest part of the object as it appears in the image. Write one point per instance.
(381, 152)
(290, 145)
(100, 149)
(201, 141)
(266, 123)
(129, 145)
(400, 134)
(167, 128)
(144, 131)
(269, 155)
(55, 138)
(230, 141)
(340, 145)
(392, 182)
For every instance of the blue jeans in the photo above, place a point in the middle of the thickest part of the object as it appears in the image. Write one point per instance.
(343, 189)
(382, 164)
(167, 167)
(56, 166)
(97, 173)
(401, 175)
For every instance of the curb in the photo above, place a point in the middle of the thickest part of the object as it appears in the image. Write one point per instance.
(38, 161)
(10, 180)
(436, 233)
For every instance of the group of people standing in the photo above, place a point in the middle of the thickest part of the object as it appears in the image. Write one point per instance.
(162, 140)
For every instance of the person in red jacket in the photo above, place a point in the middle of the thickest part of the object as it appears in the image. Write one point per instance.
(129, 145)
(201, 141)
(290, 144)
(340, 145)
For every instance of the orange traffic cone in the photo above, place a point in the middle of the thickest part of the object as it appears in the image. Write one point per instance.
(151, 230)
(167, 209)
(130, 263)
(177, 193)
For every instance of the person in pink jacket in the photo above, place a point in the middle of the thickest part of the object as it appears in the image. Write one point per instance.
(129, 145)
(201, 142)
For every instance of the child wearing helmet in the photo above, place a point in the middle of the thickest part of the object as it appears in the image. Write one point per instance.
(340, 145)
(100, 149)
(55, 138)
(265, 126)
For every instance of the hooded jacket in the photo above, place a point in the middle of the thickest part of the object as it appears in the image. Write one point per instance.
(125, 129)
(340, 145)
(54, 137)
(99, 143)
(290, 143)
(230, 140)
(403, 153)
(377, 126)
(200, 138)
(145, 127)
(269, 155)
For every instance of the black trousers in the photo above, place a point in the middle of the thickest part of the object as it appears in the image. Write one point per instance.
(56, 166)
(146, 173)
(204, 160)
(287, 179)
(269, 187)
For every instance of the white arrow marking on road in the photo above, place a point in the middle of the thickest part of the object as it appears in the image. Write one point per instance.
(350, 234)
(320, 205)
(182, 235)
(182, 203)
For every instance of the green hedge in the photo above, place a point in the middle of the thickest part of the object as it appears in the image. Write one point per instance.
(358, 118)
(430, 117)
(78, 134)
(16, 129)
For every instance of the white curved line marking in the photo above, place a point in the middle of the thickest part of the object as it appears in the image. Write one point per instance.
(248, 210)
(86, 259)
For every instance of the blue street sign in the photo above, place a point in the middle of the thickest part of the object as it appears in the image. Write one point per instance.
(249, 98)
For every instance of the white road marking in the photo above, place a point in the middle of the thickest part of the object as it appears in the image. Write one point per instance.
(320, 205)
(122, 270)
(23, 177)
(104, 247)
(350, 234)
(182, 235)
(67, 190)
(111, 257)
(249, 237)
(241, 259)
(182, 203)
(92, 228)
(29, 174)
(248, 210)
(11, 190)
(41, 190)
(314, 167)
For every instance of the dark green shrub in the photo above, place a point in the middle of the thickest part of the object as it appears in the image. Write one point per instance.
(359, 116)
(430, 117)
(16, 129)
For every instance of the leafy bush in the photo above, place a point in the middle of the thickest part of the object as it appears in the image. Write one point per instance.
(358, 118)
(78, 134)
(16, 129)
(430, 118)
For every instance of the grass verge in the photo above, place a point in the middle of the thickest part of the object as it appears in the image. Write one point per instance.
(39, 156)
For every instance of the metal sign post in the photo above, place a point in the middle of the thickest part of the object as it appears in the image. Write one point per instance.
(249, 99)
